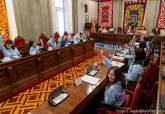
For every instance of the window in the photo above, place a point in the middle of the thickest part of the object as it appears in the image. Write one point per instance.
(62, 16)
(59, 4)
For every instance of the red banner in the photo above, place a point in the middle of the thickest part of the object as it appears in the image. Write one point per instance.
(161, 15)
(105, 18)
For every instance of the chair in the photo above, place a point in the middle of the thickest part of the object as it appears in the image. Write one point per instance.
(19, 42)
(131, 102)
(1, 55)
(150, 75)
(150, 95)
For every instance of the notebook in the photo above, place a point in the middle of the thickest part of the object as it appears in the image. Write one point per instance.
(93, 72)
(90, 79)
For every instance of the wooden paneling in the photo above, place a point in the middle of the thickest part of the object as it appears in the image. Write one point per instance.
(18, 74)
(4, 81)
(79, 97)
(161, 82)
(120, 39)
(78, 53)
(88, 48)
(65, 57)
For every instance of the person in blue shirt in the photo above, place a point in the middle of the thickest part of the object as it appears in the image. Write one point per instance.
(77, 38)
(52, 43)
(130, 55)
(71, 39)
(63, 41)
(114, 92)
(107, 61)
(136, 70)
(8, 49)
(34, 49)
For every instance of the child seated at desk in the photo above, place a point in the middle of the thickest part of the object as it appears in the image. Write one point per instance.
(136, 69)
(34, 49)
(114, 92)
(8, 49)
(53, 41)
(63, 41)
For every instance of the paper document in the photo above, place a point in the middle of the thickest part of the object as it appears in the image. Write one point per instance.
(118, 64)
(90, 79)
(118, 57)
(93, 72)
(124, 52)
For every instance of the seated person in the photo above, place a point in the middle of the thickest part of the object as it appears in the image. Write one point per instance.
(136, 69)
(52, 43)
(34, 49)
(9, 50)
(130, 55)
(63, 41)
(142, 44)
(114, 92)
(82, 37)
(71, 39)
(77, 38)
(43, 42)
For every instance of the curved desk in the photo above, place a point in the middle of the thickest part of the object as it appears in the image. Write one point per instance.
(18, 75)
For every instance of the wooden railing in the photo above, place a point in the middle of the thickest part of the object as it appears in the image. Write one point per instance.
(161, 82)
(120, 39)
(19, 74)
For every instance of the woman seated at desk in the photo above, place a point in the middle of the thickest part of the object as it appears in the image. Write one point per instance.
(136, 69)
(53, 41)
(63, 41)
(8, 49)
(71, 39)
(77, 38)
(34, 49)
(114, 92)
(130, 55)
(43, 42)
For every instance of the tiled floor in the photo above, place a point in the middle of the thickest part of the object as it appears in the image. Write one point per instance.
(35, 96)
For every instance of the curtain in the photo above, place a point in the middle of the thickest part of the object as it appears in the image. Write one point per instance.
(3, 20)
(32, 18)
(75, 15)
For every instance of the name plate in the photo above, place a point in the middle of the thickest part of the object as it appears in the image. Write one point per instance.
(78, 81)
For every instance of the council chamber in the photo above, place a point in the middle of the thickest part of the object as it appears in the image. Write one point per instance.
(82, 56)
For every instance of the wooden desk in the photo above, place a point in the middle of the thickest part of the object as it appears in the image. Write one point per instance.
(120, 39)
(79, 97)
(22, 73)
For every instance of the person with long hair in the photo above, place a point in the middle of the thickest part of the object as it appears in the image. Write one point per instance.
(52, 43)
(9, 50)
(136, 69)
(63, 41)
(43, 41)
(114, 92)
